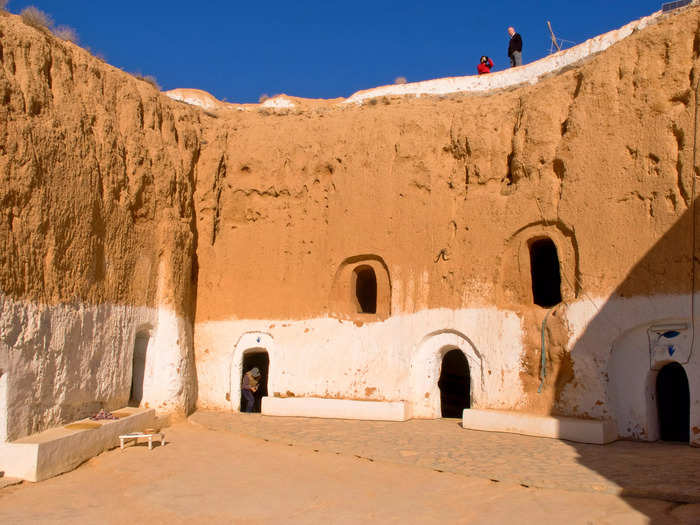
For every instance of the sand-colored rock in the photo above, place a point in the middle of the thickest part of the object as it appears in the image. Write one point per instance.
(221, 231)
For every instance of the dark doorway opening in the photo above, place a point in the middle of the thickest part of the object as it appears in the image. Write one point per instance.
(545, 272)
(454, 384)
(138, 370)
(259, 359)
(673, 403)
(366, 289)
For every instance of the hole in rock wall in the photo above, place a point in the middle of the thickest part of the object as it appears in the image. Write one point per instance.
(545, 272)
(673, 403)
(261, 360)
(361, 289)
(454, 384)
(366, 289)
(138, 372)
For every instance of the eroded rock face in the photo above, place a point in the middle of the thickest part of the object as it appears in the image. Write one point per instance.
(96, 231)
(449, 193)
(126, 212)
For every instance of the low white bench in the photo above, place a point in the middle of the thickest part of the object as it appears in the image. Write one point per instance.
(136, 435)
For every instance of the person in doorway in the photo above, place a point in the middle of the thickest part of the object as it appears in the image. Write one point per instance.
(485, 65)
(251, 382)
(515, 48)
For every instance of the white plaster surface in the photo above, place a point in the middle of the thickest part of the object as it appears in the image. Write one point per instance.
(194, 97)
(613, 366)
(572, 429)
(381, 361)
(67, 361)
(57, 450)
(278, 103)
(335, 408)
(399, 359)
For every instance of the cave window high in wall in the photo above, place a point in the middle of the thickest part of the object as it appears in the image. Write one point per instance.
(545, 272)
(673, 403)
(366, 289)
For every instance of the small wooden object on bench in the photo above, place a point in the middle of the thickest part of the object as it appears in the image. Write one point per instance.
(136, 435)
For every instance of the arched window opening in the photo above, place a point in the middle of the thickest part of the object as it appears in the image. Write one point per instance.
(138, 370)
(366, 289)
(255, 359)
(673, 403)
(454, 384)
(545, 273)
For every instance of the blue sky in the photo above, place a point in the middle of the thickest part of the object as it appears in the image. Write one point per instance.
(240, 50)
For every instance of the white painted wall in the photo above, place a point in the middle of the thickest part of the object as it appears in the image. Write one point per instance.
(64, 361)
(399, 359)
(380, 361)
(612, 362)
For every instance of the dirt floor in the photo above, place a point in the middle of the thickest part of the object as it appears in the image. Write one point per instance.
(224, 477)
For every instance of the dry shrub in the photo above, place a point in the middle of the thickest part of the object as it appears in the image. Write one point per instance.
(400, 80)
(263, 97)
(148, 78)
(3, 6)
(66, 33)
(36, 18)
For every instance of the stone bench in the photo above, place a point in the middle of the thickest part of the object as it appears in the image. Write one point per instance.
(335, 408)
(61, 449)
(593, 431)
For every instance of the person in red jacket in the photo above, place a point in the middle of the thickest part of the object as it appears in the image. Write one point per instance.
(485, 65)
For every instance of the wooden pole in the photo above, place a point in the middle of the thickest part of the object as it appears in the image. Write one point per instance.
(554, 38)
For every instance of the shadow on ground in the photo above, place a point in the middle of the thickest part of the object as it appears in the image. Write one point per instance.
(622, 330)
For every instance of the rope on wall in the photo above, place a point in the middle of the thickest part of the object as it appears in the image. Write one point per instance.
(693, 227)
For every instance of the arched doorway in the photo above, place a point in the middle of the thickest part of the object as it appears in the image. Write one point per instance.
(138, 370)
(256, 358)
(454, 384)
(673, 403)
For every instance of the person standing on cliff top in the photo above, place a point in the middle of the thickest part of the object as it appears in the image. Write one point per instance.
(249, 386)
(515, 48)
(485, 65)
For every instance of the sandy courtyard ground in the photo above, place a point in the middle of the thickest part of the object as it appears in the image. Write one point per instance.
(212, 476)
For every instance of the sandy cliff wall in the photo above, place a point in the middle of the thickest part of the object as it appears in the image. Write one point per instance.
(125, 213)
(598, 158)
(97, 233)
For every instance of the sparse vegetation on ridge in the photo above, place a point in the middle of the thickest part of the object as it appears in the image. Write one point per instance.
(148, 78)
(400, 80)
(66, 33)
(36, 18)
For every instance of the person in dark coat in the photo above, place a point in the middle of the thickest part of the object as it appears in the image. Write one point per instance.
(249, 387)
(485, 65)
(515, 48)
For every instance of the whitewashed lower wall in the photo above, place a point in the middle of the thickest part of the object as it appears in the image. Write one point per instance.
(399, 359)
(380, 361)
(62, 362)
(615, 376)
